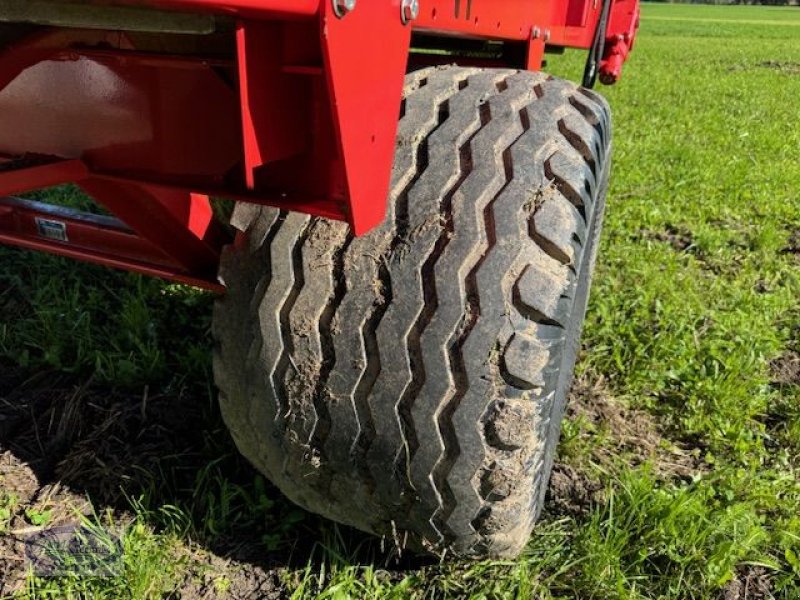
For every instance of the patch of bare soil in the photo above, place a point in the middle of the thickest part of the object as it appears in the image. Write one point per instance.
(68, 449)
(71, 447)
(627, 434)
(679, 238)
(781, 414)
(633, 434)
(793, 247)
(27, 498)
(786, 369)
(750, 583)
(572, 492)
(786, 67)
(217, 577)
(683, 240)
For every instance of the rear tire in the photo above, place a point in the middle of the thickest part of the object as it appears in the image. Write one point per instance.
(411, 382)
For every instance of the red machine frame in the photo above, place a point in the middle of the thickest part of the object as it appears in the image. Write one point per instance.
(288, 103)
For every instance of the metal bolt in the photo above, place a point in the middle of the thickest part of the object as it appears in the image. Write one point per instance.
(409, 10)
(546, 35)
(342, 7)
(536, 33)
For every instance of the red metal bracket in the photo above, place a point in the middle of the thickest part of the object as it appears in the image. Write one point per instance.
(180, 224)
(172, 233)
(365, 56)
(16, 180)
(91, 238)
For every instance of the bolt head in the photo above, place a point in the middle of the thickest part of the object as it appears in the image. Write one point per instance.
(410, 10)
(342, 7)
(536, 33)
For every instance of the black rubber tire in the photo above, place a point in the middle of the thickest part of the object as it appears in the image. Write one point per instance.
(411, 382)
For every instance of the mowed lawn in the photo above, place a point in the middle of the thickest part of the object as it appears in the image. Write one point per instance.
(679, 473)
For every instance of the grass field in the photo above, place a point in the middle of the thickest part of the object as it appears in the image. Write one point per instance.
(679, 472)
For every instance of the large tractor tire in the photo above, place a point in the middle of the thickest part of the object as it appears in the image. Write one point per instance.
(411, 382)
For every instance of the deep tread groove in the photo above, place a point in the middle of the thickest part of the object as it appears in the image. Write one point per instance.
(446, 428)
(587, 113)
(322, 427)
(366, 433)
(412, 342)
(485, 112)
(565, 188)
(402, 416)
(265, 279)
(430, 296)
(576, 142)
(525, 119)
(546, 245)
(285, 361)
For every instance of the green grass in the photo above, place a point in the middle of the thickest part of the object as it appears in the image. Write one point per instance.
(694, 297)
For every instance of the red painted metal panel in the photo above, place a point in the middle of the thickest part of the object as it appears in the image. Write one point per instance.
(274, 125)
(365, 59)
(489, 19)
(577, 12)
(18, 180)
(163, 119)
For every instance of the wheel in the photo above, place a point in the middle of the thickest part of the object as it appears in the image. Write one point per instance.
(411, 382)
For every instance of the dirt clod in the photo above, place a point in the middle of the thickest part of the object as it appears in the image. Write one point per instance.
(572, 492)
(750, 583)
(509, 426)
(786, 369)
(793, 246)
(679, 238)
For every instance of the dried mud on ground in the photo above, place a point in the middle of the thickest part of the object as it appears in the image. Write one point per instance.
(793, 247)
(751, 583)
(786, 67)
(72, 447)
(786, 369)
(679, 238)
(68, 449)
(630, 435)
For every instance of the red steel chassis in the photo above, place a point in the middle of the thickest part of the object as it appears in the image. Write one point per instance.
(288, 103)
